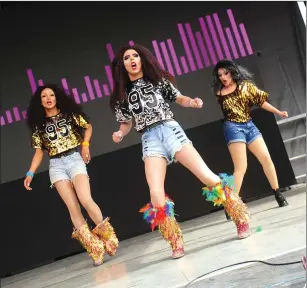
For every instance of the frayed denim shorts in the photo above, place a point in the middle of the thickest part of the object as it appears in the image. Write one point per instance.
(164, 140)
(241, 132)
(66, 168)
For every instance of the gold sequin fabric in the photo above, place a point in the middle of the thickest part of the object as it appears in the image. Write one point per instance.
(106, 233)
(237, 105)
(59, 133)
(90, 243)
(236, 209)
(171, 232)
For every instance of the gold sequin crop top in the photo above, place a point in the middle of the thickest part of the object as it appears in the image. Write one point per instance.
(237, 105)
(59, 133)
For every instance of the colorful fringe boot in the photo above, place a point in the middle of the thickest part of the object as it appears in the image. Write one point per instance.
(90, 243)
(223, 194)
(106, 233)
(164, 218)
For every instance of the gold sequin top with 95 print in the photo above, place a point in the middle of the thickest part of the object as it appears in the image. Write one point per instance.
(237, 105)
(59, 133)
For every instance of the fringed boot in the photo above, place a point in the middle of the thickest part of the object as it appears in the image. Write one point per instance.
(223, 194)
(164, 218)
(91, 243)
(106, 233)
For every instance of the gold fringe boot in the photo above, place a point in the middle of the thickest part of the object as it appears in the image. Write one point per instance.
(164, 218)
(106, 233)
(91, 243)
(223, 194)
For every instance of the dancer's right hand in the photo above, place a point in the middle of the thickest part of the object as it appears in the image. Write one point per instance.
(117, 136)
(27, 182)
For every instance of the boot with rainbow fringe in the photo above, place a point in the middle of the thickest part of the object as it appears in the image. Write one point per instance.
(164, 218)
(223, 194)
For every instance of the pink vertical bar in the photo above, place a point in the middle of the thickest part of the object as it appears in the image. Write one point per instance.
(236, 32)
(97, 88)
(65, 86)
(207, 39)
(89, 87)
(202, 48)
(186, 47)
(194, 46)
(40, 82)
(174, 56)
(84, 97)
(232, 44)
(184, 64)
(246, 40)
(110, 51)
(16, 113)
(222, 36)
(24, 115)
(2, 121)
(157, 52)
(214, 37)
(106, 89)
(76, 95)
(109, 76)
(31, 80)
(9, 116)
(167, 59)
(131, 43)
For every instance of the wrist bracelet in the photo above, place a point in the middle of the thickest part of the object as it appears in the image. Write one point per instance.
(29, 173)
(85, 143)
(191, 103)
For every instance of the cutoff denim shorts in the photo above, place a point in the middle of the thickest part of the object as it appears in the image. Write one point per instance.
(164, 140)
(66, 168)
(241, 132)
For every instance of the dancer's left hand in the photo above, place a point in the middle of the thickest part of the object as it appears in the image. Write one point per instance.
(283, 114)
(85, 153)
(197, 103)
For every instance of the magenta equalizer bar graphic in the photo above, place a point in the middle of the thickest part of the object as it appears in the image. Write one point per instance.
(97, 88)
(236, 32)
(16, 113)
(194, 46)
(158, 53)
(186, 47)
(174, 56)
(203, 48)
(167, 58)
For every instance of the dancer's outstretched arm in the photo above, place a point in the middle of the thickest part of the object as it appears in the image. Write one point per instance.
(268, 107)
(85, 150)
(124, 129)
(186, 101)
(36, 162)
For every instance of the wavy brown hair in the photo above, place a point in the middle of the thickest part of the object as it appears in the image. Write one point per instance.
(238, 74)
(152, 71)
(66, 104)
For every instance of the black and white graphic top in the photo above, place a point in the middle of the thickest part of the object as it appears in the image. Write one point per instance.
(146, 103)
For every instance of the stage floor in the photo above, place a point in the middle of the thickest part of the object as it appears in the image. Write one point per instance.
(279, 235)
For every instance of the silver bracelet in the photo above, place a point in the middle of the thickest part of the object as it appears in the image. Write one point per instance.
(191, 103)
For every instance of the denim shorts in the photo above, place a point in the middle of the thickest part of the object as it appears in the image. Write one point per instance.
(66, 168)
(241, 132)
(164, 140)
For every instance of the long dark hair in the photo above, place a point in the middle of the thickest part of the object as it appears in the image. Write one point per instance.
(36, 112)
(238, 73)
(151, 68)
